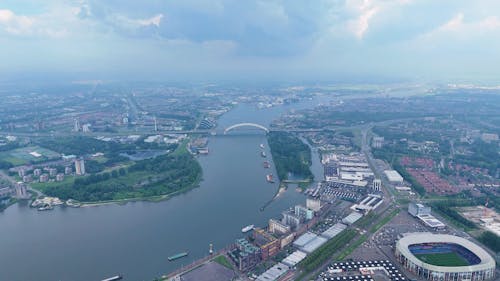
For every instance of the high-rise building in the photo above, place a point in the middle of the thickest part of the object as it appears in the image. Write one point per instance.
(76, 125)
(377, 185)
(377, 142)
(80, 167)
(313, 204)
(21, 191)
(86, 128)
(303, 212)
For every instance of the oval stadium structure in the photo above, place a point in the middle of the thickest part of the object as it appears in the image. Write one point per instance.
(444, 257)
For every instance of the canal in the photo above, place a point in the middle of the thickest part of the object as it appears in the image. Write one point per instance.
(136, 238)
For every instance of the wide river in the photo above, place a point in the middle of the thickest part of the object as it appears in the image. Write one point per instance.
(135, 239)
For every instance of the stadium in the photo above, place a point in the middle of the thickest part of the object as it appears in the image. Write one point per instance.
(444, 257)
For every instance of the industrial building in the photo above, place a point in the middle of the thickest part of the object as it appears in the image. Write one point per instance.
(291, 219)
(274, 273)
(277, 227)
(369, 203)
(314, 244)
(304, 239)
(352, 218)
(423, 213)
(333, 230)
(294, 258)
(393, 176)
(416, 209)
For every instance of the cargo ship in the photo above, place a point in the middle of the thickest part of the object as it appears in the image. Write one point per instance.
(266, 164)
(263, 154)
(269, 178)
(177, 256)
(117, 277)
(247, 228)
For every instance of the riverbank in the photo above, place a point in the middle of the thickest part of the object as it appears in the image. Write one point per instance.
(158, 198)
(290, 155)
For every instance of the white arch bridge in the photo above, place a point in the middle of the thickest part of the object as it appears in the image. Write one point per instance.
(245, 125)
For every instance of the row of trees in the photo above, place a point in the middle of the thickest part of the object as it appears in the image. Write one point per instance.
(445, 209)
(491, 240)
(414, 183)
(81, 145)
(290, 155)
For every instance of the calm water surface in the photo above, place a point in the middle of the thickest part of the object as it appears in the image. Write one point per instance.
(135, 239)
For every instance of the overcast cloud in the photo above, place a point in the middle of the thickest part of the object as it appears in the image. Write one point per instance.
(223, 39)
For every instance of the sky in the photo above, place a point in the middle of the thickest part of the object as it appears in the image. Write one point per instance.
(254, 40)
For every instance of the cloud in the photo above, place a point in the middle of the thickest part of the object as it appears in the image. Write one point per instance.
(124, 23)
(367, 9)
(15, 24)
(267, 36)
(453, 24)
(155, 20)
(458, 28)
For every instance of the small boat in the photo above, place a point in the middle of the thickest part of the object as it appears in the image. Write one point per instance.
(117, 277)
(263, 154)
(266, 164)
(247, 228)
(177, 256)
(46, 207)
(261, 146)
(269, 178)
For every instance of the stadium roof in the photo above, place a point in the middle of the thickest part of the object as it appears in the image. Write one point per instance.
(487, 261)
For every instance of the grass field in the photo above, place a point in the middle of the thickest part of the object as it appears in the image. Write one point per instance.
(223, 261)
(20, 156)
(443, 259)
